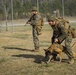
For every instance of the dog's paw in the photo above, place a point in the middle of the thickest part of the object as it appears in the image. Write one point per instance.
(47, 62)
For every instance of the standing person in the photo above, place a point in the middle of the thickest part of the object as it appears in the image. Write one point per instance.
(60, 34)
(36, 22)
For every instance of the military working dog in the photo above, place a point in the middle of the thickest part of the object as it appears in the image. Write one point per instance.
(58, 49)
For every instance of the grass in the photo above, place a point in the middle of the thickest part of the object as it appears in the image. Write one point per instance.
(17, 58)
(2, 60)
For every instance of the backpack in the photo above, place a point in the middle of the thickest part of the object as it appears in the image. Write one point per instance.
(68, 27)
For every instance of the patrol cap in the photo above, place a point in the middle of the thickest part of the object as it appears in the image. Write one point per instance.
(34, 9)
(51, 19)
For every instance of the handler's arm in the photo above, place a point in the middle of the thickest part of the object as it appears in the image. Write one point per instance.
(63, 33)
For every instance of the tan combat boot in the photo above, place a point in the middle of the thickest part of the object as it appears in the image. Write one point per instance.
(35, 50)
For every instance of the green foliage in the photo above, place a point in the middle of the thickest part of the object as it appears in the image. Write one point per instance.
(22, 9)
(70, 7)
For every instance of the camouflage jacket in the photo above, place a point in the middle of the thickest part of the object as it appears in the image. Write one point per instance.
(35, 19)
(59, 31)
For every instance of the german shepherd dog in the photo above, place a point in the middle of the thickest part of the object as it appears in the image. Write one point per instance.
(57, 49)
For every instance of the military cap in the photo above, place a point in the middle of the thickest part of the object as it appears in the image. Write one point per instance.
(51, 18)
(34, 8)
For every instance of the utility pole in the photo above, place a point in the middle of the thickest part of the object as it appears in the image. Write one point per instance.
(63, 8)
(12, 15)
(38, 5)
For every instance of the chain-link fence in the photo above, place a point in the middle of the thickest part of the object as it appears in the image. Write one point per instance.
(21, 9)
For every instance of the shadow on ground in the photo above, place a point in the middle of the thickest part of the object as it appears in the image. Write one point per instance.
(38, 58)
(17, 48)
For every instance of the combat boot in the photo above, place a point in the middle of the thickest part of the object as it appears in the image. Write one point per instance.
(35, 50)
(71, 61)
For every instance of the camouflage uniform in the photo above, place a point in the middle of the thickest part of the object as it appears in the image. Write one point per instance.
(35, 22)
(61, 33)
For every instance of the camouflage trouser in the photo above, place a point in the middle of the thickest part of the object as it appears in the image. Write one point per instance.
(68, 41)
(35, 37)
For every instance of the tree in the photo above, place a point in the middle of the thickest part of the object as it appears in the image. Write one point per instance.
(5, 7)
